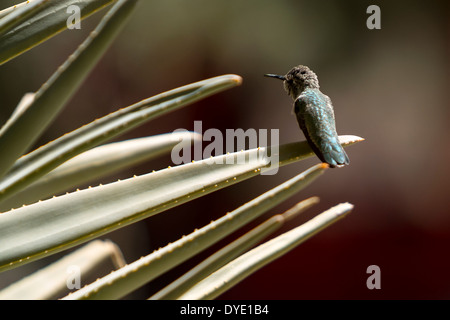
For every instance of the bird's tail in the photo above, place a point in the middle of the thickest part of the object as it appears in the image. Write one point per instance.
(334, 154)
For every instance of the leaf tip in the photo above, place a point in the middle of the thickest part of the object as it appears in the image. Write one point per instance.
(341, 210)
(236, 79)
(347, 140)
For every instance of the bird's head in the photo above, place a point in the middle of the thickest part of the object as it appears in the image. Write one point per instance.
(297, 79)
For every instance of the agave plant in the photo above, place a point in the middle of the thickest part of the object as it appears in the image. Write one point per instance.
(34, 224)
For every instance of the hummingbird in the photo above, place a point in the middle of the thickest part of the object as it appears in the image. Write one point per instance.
(315, 114)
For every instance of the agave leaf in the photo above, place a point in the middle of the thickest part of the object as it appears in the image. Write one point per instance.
(38, 23)
(38, 229)
(231, 251)
(242, 267)
(18, 16)
(98, 163)
(51, 282)
(134, 275)
(39, 162)
(6, 11)
(50, 226)
(18, 135)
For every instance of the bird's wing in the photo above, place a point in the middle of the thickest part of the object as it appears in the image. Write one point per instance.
(316, 119)
(300, 106)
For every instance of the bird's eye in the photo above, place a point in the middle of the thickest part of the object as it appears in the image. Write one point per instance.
(303, 72)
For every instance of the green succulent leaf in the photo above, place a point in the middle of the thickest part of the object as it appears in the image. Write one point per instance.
(34, 165)
(134, 275)
(19, 133)
(33, 22)
(240, 268)
(98, 163)
(231, 251)
(50, 226)
(19, 15)
(51, 281)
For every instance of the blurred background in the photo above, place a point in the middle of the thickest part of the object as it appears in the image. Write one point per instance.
(389, 86)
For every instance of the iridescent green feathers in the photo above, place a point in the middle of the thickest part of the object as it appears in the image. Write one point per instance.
(315, 114)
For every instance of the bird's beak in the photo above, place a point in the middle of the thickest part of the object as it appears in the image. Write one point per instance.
(275, 76)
